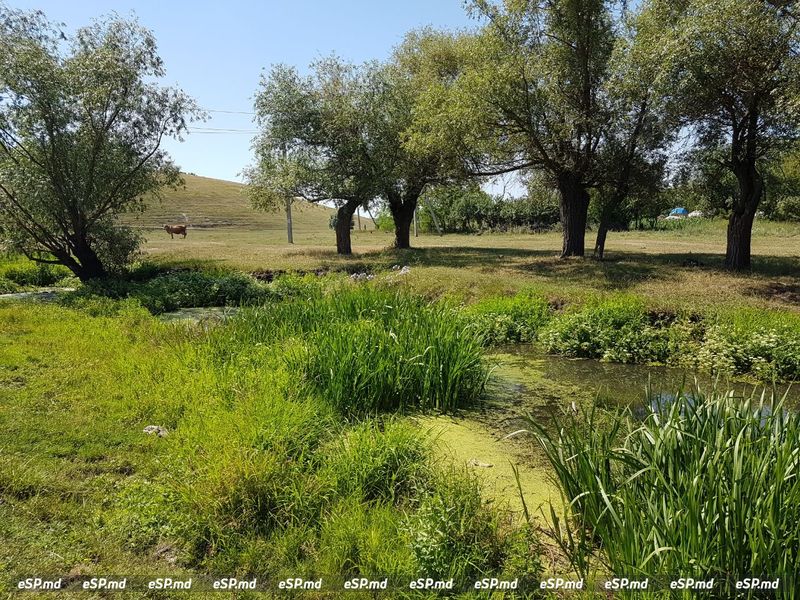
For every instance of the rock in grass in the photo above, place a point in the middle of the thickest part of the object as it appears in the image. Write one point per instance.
(474, 462)
(362, 276)
(156, 430)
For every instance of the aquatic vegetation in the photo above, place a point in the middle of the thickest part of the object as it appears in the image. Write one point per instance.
(507, 320)
(705, 485)
(365, 349)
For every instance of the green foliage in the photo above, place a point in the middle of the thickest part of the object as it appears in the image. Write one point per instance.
(27, 273)
(730, 68)
(379, 461)
(370, 350)
(454, 533)
(761, 344)
(517, 319)
(367, 541)
(182, 289)
(82, 125)
(616, 329)
(467, 208)
(652, 492)
(384, 221)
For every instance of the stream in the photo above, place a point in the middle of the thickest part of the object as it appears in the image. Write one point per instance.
(541, 378)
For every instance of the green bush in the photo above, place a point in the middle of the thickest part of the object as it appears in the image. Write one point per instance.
(705, 486)
(26, 273)
(183, 289)
(508, 320)
(615, 329)
(454, 533)
(7, 286)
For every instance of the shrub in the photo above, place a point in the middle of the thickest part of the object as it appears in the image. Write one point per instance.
(615, 329)
(510, 320)
(454, 533)
(7, 286)
(184, 289)
(27, 273)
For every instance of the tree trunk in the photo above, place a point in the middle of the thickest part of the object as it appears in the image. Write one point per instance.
(89, 265)
(574, 206)
(289, 232)
(740, 223)
(740, 229)
(343, 218)
(403, 216)
(600, 242)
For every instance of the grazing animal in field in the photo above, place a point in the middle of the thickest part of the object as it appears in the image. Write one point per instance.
(173, 229)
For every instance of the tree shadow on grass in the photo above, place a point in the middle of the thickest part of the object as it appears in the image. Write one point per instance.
(620, 270)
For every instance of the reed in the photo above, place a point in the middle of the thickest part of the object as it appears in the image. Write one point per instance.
(367, 349)
(704, 486)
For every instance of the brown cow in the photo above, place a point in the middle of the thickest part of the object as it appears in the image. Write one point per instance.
(173, 229)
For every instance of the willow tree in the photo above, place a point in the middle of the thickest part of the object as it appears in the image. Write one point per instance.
(339, 134)
(404, 170)
(529, 94)
(733, 67)
(632, 156)
(81, 125)
(314, 143)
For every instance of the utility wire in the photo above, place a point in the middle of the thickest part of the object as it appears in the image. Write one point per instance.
(229, 112)
(225, 129)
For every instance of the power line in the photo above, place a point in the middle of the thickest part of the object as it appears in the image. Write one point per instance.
(228, 112)
(226, 129)
(220, 132)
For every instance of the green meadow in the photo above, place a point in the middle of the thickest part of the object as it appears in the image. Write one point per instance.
(315, 424)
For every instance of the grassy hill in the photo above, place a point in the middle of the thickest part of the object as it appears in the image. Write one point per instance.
(210, 203)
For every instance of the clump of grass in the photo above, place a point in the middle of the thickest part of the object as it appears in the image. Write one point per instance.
(379, 461)
(705, 486)
(369, 350)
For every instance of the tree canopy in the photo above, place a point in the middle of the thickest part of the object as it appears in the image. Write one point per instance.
(81, 125)
(529, 93)
(339, 134)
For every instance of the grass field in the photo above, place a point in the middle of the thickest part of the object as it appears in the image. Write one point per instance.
(211, 203)
(670, 268)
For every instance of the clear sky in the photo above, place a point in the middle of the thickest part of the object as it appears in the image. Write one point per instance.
(216, 52)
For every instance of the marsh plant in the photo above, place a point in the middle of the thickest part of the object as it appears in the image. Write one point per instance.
(365, 349)
(704, 485)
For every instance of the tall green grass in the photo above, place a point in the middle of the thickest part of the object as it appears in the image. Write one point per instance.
(704, 486)
(366, 349)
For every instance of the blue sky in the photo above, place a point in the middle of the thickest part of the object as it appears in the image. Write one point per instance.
(216, 52)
